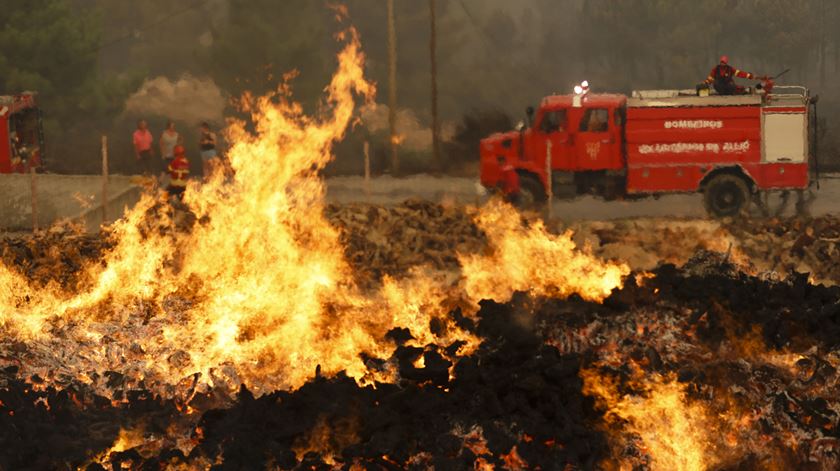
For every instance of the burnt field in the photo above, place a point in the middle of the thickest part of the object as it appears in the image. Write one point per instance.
(706, 361)
(253, 326)
(390, 240)
(256, 316)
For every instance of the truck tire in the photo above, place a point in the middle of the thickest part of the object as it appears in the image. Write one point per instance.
(531, 192)
(564, 186)
(726, 195)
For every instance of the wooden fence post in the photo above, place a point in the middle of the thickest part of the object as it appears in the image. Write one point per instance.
(33, 185)
(104, 180)
(367, 170)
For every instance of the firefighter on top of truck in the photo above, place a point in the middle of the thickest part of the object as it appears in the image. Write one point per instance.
(722, 77)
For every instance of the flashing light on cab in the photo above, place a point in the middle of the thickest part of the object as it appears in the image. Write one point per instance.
(582, 88)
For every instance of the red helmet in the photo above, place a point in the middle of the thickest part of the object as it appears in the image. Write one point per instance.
(724, 59)
(179, 150)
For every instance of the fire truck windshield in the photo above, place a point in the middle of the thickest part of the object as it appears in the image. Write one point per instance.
(595, 120)
(553, 121)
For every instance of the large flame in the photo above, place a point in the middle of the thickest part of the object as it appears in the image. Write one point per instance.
(530, 259)
(258, 291)
(268, 263)
(674, 431)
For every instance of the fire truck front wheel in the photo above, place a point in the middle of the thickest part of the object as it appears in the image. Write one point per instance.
(531, 192)
(726, 195)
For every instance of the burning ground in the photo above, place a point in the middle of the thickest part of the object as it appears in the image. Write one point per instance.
(268, 330)
(701, 367)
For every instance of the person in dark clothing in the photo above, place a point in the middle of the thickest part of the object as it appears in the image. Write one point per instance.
(722, 77)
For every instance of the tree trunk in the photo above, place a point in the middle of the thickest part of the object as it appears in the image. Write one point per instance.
(392, 88)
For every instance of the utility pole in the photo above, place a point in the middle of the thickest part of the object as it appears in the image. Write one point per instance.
(822, 43)
(392, 88)
(436, 160)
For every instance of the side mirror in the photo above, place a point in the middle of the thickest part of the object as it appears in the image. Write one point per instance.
(815, 99)
(520, 126)
(529, 112)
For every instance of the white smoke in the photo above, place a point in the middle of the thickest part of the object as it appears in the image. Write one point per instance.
(414, 136)
(188, 99)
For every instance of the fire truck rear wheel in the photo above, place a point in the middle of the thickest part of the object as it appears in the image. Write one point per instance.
(726, 196)
(531, 192)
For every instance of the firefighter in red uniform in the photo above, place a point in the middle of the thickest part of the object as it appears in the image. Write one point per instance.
(723, 78)
(509, 183)
(179, 171)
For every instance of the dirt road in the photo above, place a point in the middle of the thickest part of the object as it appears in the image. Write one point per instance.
(388, 190)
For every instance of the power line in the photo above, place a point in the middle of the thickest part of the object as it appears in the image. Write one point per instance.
(474, 22)
(484, 38)
(68, 60)
(151, 25)
(487, 37)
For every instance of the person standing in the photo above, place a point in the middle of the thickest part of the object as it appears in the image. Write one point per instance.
(143, 146)
(179, 171)
(169, 138)
(509, 181)
(207, 144)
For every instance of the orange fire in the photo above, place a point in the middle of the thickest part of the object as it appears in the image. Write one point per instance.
(126, 440)
(513, 461)
(533, 260)
(327, 439)
(258, 291)
(675, 432)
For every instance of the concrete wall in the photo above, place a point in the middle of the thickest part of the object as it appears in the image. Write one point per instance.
(78, 197)
(75, 197)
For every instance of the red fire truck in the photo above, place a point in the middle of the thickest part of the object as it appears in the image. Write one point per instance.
(21, 133)
(733, 149)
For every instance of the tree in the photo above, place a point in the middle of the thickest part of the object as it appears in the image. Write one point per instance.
(646, 44)
(48, 47)
(157, 37)
(262, 40)
(51, 47)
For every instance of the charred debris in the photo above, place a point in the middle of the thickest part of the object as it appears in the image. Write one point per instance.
(758, 353)
(515, 403)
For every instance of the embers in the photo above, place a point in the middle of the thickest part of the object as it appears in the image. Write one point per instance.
(750, 359)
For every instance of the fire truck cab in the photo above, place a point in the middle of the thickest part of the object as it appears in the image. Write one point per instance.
(730, 148)
(21, 134)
